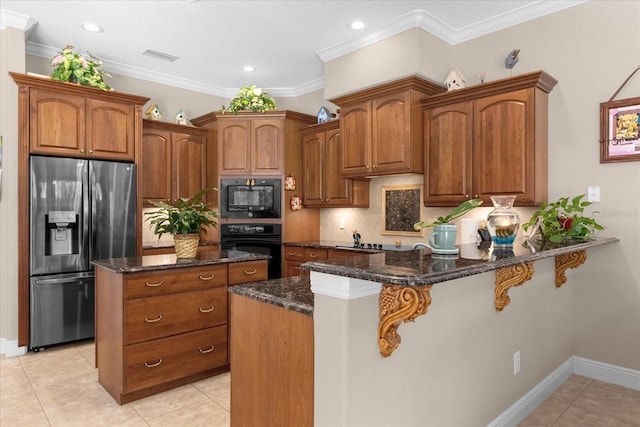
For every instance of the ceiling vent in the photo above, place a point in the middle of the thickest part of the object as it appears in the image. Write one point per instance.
(159, 55)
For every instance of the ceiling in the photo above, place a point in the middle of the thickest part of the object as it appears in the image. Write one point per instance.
(286, 41)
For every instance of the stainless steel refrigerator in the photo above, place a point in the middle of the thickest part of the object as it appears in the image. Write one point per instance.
(81, 210)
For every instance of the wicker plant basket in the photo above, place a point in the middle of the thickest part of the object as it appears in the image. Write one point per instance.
(186, 245)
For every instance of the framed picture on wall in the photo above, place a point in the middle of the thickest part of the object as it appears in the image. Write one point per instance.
(401, 208)
(619, 129)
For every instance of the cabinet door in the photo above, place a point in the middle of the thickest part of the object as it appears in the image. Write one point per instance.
(504, 145)
(355, 123)
(313, 160)
(154, 168)
(337, 190)
(234, 139)
(188, 164)
(56, 123)
(110, 130)
(391, 135)
(267, 143)
(448, 133)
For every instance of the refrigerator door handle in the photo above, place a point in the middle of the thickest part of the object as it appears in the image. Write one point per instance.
(58, 281)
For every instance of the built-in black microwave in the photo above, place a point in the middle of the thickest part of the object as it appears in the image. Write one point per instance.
(250, 198)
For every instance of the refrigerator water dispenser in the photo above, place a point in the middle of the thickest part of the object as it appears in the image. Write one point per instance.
(62, 236)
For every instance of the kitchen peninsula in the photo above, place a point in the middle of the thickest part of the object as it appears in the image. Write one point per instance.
(161, 322)
(361, 372)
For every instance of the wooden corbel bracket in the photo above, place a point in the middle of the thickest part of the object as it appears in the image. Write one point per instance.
(399, 304)
(508, 277)
(567, 261)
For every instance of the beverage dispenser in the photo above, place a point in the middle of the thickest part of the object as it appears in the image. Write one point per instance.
(62, 233)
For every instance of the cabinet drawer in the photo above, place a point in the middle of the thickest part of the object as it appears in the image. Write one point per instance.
(155, 317)
(313, 254)
(159, 361)
(248, 271)
(171, 281)
(294, 253)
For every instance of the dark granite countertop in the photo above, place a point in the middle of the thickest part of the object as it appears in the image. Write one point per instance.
(293, 293)
(346, 246)
(421, 267)
(169, 261)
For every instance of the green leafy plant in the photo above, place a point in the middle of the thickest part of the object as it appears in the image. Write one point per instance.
(458, 211)
(251, 98)
(564, 220)
(187, 216)
(75, 68)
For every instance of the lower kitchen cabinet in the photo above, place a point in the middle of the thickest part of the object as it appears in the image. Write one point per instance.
(160, 329)
(295, 256)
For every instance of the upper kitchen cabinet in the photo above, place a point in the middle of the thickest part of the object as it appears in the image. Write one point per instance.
(488, 139)
(66, 119)
(255, 143)
(323, 186)
(382, 128)
(172, 162)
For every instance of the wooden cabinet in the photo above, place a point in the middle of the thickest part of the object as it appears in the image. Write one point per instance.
(172, 162)
(323, 185)
(382, 128)
(295, 256)
(488, 139)
(274, 348)
(69, 120)
(159, 329)
(255, 143)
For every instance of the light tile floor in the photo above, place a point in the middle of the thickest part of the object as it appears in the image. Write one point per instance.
(59, 387)
(584, 402)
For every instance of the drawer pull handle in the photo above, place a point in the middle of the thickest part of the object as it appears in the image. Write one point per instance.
(313, 255)
(206, 310)
(153, 285)
(153, 365)
(157, 319)
(208, 350)
(211, 276)
(251, 272)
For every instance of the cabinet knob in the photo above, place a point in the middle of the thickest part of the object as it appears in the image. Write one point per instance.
(82, 150)
(90, 151)
(475, 196)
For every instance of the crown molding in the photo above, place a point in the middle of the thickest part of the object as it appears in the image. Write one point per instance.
(429, 23)
(169, 80)
(22, 22)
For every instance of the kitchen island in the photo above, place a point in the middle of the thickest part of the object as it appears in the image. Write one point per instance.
(161, 322)
(459, 355)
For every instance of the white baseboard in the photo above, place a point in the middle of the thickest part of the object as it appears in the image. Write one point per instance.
(612, 374)
(9, 348)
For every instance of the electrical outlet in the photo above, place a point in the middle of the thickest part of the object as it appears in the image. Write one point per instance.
(516, 362)
(593, 194)
(342, 226)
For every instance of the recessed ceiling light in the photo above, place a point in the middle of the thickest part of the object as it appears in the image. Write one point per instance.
(357, 25)
(92, 28)
(248, 68)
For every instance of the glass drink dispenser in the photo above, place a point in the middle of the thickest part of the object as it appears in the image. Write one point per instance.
(62, 233)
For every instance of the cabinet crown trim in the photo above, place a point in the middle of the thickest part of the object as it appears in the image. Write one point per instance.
(412, 82)
(538, 79)
(76, 89)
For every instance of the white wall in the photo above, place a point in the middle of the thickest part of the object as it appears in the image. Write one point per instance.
(12, 46)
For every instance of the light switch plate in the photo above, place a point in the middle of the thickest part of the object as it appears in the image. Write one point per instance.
(593, 194)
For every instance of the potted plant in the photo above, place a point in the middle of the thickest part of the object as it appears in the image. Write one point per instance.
(185, 221)
(563, 221)
(443, 238)
(250, 98)
(72, 67)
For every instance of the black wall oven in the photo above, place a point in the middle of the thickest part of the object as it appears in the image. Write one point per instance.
(248, 198)
(256, 238)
